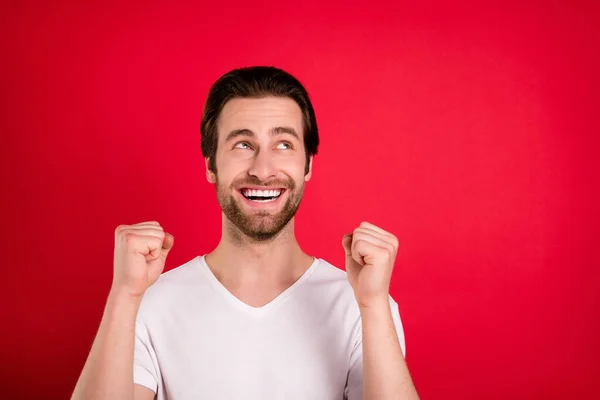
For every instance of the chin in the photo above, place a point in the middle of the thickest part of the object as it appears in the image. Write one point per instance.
(262, 222)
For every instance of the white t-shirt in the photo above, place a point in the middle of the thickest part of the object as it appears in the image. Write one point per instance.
(195, 340)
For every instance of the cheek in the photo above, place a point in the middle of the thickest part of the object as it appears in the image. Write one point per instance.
(231, 165)
(224, 175)
(294, 160)
(294, 167)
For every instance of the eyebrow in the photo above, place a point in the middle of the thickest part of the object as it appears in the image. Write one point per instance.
(278, 130)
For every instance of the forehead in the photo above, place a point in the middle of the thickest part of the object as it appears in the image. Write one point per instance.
(260, 114)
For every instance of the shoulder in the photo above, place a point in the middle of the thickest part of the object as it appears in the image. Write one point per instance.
(330, 272)
(183, 274)
(330, 288)
(341, 297)
(171, 286)
(332, 277)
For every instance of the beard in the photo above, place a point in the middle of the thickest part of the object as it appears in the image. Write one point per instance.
(259, 225)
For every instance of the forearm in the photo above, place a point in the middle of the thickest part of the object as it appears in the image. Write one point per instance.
(385, 374)
(108, 371)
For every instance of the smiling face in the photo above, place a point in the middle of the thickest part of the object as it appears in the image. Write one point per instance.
(260, 164)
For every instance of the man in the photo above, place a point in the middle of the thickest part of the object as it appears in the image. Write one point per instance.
(257, 318)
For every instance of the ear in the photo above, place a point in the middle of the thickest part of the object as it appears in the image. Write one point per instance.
(309, 174)
(210, 175)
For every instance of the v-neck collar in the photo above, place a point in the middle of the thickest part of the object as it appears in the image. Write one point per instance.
(246, 308)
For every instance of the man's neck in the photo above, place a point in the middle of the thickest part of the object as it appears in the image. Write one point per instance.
(239, 260)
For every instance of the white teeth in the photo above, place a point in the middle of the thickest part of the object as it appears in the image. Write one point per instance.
(262, 193)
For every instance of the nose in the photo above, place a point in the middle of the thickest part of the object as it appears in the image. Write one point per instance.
(262, 166)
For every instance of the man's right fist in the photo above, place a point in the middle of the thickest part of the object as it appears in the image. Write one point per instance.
(140, 254)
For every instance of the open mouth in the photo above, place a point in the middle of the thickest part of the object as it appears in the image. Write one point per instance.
(262, 196)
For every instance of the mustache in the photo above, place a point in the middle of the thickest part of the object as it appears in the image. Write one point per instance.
(254, 181)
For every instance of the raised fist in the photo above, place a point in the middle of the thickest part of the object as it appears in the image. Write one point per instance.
(140, 254)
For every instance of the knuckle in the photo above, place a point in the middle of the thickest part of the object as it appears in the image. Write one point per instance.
(387, 254)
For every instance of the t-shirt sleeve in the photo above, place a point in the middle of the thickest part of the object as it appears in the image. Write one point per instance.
(145, 370)
(353, 390)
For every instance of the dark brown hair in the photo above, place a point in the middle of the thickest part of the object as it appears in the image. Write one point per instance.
(255, 82)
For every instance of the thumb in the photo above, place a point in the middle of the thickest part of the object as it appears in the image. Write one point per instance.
(347, 243)
(168, 242)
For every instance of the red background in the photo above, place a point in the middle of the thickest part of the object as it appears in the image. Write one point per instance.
(470, 132)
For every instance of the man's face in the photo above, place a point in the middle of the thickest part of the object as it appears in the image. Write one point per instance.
(260, 164)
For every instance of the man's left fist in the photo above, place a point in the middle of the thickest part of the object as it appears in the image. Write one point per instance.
(370, 256)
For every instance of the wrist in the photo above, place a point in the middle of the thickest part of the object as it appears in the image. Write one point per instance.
(121, 295)
(376, 303)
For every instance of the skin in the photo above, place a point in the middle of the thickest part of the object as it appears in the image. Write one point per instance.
(257, 257)
(256, 269)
